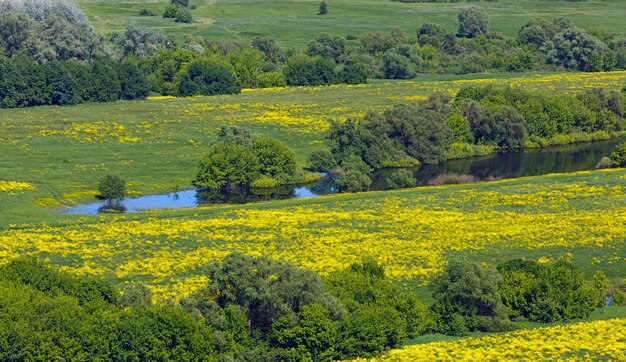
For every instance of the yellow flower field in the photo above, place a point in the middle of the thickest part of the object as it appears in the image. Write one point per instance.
(10, 186)
(412, 232)
(591, 341)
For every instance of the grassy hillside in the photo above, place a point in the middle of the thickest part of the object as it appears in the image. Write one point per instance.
(294, 22)
(412, 232)
(156, 143)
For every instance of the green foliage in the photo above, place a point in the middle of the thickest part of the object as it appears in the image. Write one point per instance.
(308, 337)
(265, 290)
(461, 130)
(381, 313)
(136, 41)
(352, 74)
(353, 181)
(275, 158)
(321, 160)
(247, 64)
(267, 46)
(302, 70)
(234, 134)
(203, 77)
(537, 32)
(546, 293)
(438, 37)
(619, 155)
(183, 15)
(32, 29)
(112, 187)
(61, 88)
(105, 84)
(605, 162)
(133, 83)
(573, 48)
(171, 10)
(270, 80)
(323, 8)
(135, 294)
(227, 164)
(146, 12)
(401, 179)
(468, 291)
(473, 21)
(328, 46)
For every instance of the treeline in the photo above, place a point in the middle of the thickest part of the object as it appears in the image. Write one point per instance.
(257, 309)
(479, 120)
(25, 83)
(199, 66)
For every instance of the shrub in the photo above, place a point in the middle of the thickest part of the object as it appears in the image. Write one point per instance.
(322, 160)
(171, 10)
(353, 181)
(323, 8)
(264, 182)
(605, 162)
(204, 77)
(183, 15)
(401, 179)
(619, 155)
(112, 187)
(146, 12)
(473, 21)
(275, 158)
(227, 165)
(302, 70)
(270, 80)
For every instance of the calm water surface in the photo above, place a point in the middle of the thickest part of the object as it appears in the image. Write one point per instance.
(560, 159)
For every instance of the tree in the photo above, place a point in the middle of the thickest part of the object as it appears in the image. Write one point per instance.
(302, 70)
(470, 292)
(227, 165)
(328, 46)
(105, 85)
(537, 32)
(112, 187)
(266, 290)
(133, 83)
(397, 66)
(136, 41)
(323, 8)
(276, 159)
(473, 21)
(61, 88)
(619, 155)
(308, 337)
(204, 77)
(267, 46)
(321, 160)
(573, 48)
(401, 179)
(461, 130)
(438, 37)
(353, 181)
(183, 15)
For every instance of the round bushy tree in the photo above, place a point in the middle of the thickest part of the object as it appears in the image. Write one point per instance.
(112, 187)
(353, 181)
(204, 77)
(322, 160)
(227, 164)
(276, 159)
(619, 155)
(473, 21)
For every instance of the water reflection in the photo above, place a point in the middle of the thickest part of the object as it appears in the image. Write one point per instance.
(578, 157)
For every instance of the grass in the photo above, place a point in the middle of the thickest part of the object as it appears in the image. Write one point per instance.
(294, 23)
(412, 232)
(156, 143)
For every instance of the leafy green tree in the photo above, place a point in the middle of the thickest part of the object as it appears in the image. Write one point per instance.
(323, 8)
(302, 70)
(353, 181)
(471, 292)
(352, 74)
(473, 21)
(573, 48)
(133, 83)
(105, 85)
(265, 289)
(204, 77)
(401, 179)
(136, 41)
(619, 155)
(275, 157)
(227, 164)
(234, 134)
(247, 64)
(461, 130)
(321, 160)
(112, 187)
(183, 15)
(308, 337)
(61, 88)
(537, 32)
(267, 46)
(328, 46)
(171, 10)
(397, 66)
(438, 37)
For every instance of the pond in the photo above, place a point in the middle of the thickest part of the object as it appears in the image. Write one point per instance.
(560, 159)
